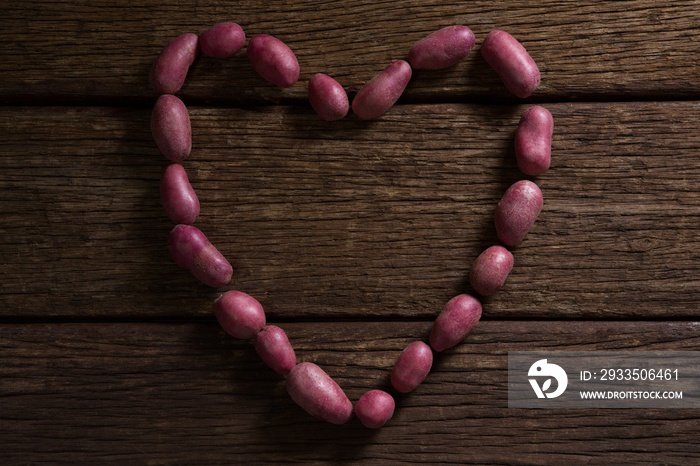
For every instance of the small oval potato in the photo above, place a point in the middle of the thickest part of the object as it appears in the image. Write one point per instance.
(192, 250)
(273, 60)
(382, 91)
(239, 314)
(318, 394)
(222, 40)
(171, 128)
(459, 316)
(533, 141)
(490, 270)
(375, 408)
(170, 69)
(512, 63)
(177, 195)
(328, 97)
(517, 211)
(273, 347)
(442, 48)
(411, 367)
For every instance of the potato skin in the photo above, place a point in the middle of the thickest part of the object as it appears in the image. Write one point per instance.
(512, 63)
(239, 314)
(179, 199)
(273, 60)
(533, 141)
(490, 270)
(328, 98)
(171, 128)
(441, 49)
(381, 92)
(375, 408)
(191, 250)
(318, 394)
(169, 72)
(517, 211)
(222, 40)
(411, 367)
(273, 347)
(459, 316)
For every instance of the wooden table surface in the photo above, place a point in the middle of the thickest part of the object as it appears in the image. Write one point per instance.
(351, 234)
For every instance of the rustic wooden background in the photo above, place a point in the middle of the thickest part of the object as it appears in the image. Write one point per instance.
(352, 234)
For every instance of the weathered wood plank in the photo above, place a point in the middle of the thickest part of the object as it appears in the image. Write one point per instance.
(348, 221)
(65, 50)
(353, 219)
(185, 393)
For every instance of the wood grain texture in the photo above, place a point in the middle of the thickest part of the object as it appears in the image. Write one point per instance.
(351, 219)
(352, 234)
(185, 393)
(97, 51)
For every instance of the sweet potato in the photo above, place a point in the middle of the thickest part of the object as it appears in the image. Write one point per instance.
(179, 199)
(328, 97)
(517, 211)
(457, 319)
(381, 92)
(533, 141)
(318, 394)
(169, 72)
(490, 270)
(192, 250)
(273, 347)
(222, 40)
(375, 408)
(442, 48)
(411, 367)
(273, 60)
(511, 62)
(239, 314)
(171, 128)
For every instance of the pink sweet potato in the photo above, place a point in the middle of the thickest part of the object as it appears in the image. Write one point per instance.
(490, 270)
(375, 408)
(517, 211)
(273, 347)
(273, 60)
(456, 320)
(192, 250)
(318, 394)
(381, 92)
(222, 40)
(511, 62)
(328, 97)
(171, 128)
(442, 48)
(411, 367)
(533, 141)
(170, 69)
(177, 195)
(239, 314)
